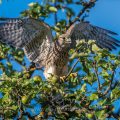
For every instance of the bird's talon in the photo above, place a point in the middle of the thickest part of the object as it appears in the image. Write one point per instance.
(62, 78)
(74, 74)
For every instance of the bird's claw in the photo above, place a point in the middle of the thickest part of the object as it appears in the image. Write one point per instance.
(62, 78)
(73, 74)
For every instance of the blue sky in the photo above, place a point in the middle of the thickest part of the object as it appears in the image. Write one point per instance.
(105, 14)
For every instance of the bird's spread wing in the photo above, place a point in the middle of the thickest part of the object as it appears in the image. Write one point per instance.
(84, 30)
(34, 36)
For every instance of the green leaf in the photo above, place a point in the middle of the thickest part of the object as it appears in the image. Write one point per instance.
(69, 12)
(115, 94)
(52, 9)
(56, 29)
(31, 4)
(103, 101)
(95, 48)
(14, 107)
(93, 96)
(74, 55)
(89, 115)
(100, 114)
(25, 99)
(83, 88)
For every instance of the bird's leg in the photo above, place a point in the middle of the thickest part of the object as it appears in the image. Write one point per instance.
(73, 75)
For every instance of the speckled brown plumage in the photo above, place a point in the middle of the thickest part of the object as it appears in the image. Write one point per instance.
(35, 37)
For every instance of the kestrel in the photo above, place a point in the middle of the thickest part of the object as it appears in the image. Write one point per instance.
(35, 38)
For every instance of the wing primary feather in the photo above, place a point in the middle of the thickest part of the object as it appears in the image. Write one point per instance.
(103, 37)
(101, 45)
(105, 30)
(27, 33)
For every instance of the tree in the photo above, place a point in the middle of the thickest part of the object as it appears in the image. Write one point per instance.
(87, 92)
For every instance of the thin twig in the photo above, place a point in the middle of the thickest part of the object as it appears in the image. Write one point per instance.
(110, 85)
(92, 2)
(88, 5)
(96, 73)
(2, 80)
(71, 69)
(7, 108)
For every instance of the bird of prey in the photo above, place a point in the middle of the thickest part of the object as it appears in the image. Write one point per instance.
(35, 38)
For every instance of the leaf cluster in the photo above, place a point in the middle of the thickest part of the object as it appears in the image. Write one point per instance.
(88, 92)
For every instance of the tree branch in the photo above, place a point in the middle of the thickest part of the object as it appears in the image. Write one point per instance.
(96, 73)
(110, 85)
(87, 5)
(71, 69)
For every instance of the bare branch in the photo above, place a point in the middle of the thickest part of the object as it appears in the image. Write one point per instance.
(87, 5)
(71, 69)
(96, 73)
(110, 85)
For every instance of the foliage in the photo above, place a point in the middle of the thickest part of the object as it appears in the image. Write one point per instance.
(87, 92)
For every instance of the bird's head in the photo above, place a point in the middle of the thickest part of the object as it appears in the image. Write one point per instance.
(62, 37)
(63, 40)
